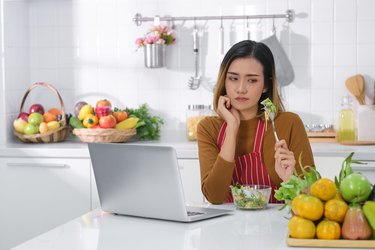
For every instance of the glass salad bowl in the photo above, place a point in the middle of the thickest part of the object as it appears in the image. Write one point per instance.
(251, 196)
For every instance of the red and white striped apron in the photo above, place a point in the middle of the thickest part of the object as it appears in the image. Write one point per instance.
(249, 168)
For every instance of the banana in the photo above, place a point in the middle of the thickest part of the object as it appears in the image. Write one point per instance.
(128, 123)
(369, 211)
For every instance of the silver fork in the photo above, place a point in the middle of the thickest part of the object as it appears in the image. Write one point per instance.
(272, 117)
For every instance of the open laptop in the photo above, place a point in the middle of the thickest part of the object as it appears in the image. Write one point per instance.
(143, 180)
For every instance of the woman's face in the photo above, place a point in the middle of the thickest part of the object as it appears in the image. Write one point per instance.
(244, 84)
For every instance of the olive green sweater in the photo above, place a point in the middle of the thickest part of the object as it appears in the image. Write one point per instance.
(216, 173)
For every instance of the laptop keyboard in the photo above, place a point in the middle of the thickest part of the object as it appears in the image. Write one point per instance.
(190, 213)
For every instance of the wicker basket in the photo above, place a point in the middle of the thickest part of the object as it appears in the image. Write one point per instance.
(56, 135)
(104, 134)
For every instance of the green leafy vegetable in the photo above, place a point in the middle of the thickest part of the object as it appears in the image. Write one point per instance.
(148, 128)
(297, 183)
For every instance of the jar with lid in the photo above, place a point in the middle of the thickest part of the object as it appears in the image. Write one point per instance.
(347, 128)
(194, 114)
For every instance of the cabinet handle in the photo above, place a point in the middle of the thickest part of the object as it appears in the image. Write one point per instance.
(43, 165)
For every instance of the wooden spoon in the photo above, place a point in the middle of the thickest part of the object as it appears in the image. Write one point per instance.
(356, 86)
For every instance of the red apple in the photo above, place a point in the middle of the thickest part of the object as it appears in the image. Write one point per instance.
(108, 121)
(36, 108)
(24, 116)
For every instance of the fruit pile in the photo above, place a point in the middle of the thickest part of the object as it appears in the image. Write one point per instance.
(340, 209)
(102, 116)
(37, 121)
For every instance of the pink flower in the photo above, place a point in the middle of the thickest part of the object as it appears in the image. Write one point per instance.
(157, 34)
(139, 42)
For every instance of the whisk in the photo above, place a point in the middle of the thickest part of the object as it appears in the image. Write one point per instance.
(194, 81)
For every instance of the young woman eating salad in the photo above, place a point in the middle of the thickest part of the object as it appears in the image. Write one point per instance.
(238, 146)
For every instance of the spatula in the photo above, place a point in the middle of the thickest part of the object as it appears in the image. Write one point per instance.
(356, 85)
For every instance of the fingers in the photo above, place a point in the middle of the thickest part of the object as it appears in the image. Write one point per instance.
(281, 144)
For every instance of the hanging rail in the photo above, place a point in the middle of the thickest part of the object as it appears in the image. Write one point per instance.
(138, 19)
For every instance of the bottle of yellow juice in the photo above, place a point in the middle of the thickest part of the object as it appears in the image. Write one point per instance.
(347, 128)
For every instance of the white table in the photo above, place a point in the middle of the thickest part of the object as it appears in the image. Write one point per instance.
(262, 229)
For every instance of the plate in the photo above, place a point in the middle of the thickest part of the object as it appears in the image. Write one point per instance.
(330, 243)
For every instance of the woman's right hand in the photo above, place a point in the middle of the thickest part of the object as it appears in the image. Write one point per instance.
(226, 111)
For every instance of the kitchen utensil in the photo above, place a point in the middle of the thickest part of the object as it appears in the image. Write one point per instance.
(194, 81)
(221, 40)
(356, 86)
(284, 68)
(272, 117)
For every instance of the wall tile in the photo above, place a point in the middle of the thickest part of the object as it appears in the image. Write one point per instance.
(322, 54)
(345, 55)
(365, 34)
(365, 10)
(321, 100)
(322, 32)
(322, 10)
(345, 32)
(366, 54)
(345, 10)
(322, 78)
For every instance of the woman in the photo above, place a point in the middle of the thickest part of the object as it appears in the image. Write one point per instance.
(238, 146)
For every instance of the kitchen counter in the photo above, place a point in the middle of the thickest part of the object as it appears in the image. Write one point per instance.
(245, 229)
(73, 148)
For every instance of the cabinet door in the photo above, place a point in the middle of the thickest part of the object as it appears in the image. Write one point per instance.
(190, 176)
(38, 194)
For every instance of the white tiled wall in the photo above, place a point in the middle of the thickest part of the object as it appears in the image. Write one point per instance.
(86, 49)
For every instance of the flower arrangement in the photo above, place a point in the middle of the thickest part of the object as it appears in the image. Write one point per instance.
(159, 34)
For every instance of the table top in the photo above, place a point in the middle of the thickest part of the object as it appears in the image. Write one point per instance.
(244, 229)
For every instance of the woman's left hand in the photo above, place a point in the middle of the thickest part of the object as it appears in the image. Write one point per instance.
(284, 160)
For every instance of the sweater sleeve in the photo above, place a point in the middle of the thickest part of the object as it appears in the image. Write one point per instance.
(299, 144)
(216, 173)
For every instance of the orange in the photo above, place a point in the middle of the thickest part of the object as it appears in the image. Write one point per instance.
(324, 189)
(49, 117)
(301, 228)
(308, 207)
(328, 230)
(335, 210)
(55, 111)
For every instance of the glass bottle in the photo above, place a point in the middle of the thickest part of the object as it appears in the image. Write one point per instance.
(347, 128)
(194, 115)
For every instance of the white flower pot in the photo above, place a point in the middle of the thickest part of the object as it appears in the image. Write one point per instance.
(154, 55)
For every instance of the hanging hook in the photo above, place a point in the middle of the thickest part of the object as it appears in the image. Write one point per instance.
(273, 26)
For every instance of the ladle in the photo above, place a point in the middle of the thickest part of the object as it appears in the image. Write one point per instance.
(356, 85)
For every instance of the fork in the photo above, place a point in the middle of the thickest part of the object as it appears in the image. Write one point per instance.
(272, 117)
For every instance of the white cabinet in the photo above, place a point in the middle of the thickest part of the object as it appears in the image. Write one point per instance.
(328, 167)
(191, 180)
(367, 169)
(38, 194)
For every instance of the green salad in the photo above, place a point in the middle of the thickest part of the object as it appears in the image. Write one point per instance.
(250, 197)
(268, 108)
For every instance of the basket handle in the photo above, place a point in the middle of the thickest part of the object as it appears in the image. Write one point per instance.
(52, 88)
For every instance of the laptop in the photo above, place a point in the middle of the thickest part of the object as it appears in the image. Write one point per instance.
(143, 180)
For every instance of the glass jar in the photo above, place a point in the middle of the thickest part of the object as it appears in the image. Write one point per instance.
(347, 128)
(194, 114)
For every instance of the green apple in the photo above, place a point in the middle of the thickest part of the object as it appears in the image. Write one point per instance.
(355, 188)
(19, 125)
(30, 129)
(35, 118)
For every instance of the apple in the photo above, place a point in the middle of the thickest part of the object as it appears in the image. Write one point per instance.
(30, 129)
(19, 125)
(108, 121)
(36, 118)
(36, 108)
(24, 116)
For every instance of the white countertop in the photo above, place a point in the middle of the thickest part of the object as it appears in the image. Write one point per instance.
(73, 148)
(245, 229)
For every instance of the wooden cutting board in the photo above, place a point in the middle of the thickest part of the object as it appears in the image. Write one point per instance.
(330, 243)
(357, 142)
